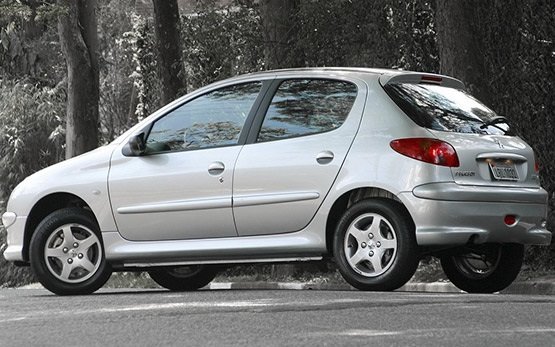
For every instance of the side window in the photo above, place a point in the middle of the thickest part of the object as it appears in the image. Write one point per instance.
(211, 120)
(307, 106)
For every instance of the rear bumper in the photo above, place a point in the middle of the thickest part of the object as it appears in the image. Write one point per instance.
(445, 214)
(450, 191)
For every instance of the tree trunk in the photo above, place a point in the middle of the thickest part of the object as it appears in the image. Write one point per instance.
(460, 44)
(280, 26)
(79, 40)
(168, 44)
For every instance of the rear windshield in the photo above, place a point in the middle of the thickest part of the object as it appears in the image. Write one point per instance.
(446, 109)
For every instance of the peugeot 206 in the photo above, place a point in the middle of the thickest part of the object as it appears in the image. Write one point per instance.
(373, 168)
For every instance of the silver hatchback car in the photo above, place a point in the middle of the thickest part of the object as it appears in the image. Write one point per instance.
(374, 168)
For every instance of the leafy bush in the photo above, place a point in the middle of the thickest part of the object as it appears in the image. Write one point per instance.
(146, 81)
(31, 130)
(31, 138)
(29, 47)
(118, 94)
(521, 63)
(220, 43)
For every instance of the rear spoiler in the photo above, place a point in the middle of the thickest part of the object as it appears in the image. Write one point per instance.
(422, 78)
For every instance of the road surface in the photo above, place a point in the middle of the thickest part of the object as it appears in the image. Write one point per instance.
(116, 317)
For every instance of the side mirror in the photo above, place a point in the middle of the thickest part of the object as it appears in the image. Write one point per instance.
(135, 147)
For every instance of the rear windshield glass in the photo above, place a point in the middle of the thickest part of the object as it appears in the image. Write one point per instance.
(446, 109)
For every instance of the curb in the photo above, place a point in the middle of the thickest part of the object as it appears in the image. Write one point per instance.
(531, 288)
(438, 287)
(522, 288)
(528, 288)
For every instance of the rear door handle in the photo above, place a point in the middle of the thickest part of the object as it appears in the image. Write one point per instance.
(324, 157)
(216, 168)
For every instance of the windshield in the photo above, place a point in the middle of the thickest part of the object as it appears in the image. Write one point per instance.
(446, 109)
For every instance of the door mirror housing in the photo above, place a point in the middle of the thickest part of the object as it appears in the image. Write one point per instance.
(135, 147)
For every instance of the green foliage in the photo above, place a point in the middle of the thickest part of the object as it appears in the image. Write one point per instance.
(383, 33)
(521, 71)
(344, 33)
(218, 44)
(31, 130)
(413, 32)
(31, 138)
(29, 47)
(145, 78)
(11, 275)
(118, 100)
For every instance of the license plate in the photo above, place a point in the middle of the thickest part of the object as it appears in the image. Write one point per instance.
(503, 171)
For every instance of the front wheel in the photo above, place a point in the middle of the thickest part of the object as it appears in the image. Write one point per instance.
(375, 246)
(67, 254)
(484, 268)
(184, 278)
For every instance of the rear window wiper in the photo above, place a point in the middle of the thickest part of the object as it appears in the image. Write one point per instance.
(495, 120)
(499, 120)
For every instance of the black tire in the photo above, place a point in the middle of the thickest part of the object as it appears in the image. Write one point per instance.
(393, 255)
(184, 278)
(484, 268)
(76, 264)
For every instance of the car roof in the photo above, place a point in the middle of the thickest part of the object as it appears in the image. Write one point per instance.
(304, 70)
(384, 75)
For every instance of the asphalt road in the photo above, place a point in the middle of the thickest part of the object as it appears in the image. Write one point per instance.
(30, 317)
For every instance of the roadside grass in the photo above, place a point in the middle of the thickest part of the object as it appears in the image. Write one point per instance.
(311, 272)
(130, 280)
(11, 275)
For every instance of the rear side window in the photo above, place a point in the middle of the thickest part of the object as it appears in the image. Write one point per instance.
(445, 109)
(307, 106)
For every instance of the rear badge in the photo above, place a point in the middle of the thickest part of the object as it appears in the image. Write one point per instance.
(465, 173)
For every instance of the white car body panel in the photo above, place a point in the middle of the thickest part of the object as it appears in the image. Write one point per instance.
(84, 176)
(273, 199)
(266, 172)
(172, 196)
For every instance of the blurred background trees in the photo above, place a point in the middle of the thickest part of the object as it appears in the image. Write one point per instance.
(77, 28)
(502, 50)
(168, 46)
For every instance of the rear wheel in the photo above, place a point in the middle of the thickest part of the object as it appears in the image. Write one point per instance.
(67, 254)
(484, 268)
(374, 245)
(184, 278)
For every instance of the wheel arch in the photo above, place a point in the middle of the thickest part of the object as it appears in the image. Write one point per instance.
(45, 206)
(351, 197)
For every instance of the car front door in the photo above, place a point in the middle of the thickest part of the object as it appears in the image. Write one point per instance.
(295, 153)
(181, 187)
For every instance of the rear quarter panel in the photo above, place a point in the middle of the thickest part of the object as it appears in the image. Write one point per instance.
(372, 163)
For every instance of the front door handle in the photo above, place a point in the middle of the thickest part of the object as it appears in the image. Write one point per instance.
(324, 157)
(216, 168)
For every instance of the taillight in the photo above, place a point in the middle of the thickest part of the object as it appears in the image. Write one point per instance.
(536, 164)
(431, 79)
(427, 150)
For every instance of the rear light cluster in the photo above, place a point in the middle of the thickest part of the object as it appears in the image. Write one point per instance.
(428, 150)
(536, 164)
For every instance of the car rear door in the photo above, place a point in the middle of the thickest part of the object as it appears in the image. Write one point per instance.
(295, 150)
